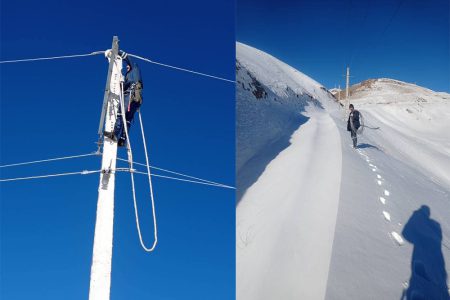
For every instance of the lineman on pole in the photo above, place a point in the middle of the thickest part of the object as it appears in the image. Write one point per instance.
(132, 87)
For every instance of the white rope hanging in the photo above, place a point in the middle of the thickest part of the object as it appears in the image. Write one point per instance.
(130, 161)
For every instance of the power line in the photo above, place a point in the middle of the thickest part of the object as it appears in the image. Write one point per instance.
(356, 48)
(180, 69)
(47, 160)
(397, 9)
(209, 182)
(180, 174)
(378, 39)
(85, 172)
(50, 58)
(185, 180)
(197, 180)
(102, 52)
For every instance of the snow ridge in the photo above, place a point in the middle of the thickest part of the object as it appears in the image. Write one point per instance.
(282, 93)
(284, 223)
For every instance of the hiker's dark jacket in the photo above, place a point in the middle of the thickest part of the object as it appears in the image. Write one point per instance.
(353, 118)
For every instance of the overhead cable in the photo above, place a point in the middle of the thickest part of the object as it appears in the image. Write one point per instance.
(47, 160)
(181, 69)
(51, 58)
(85, 172)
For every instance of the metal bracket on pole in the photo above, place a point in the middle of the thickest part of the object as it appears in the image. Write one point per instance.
(114, 53)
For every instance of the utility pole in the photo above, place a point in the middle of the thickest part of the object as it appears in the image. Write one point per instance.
(339, 94)
(347, 87)
(347, 83)
(103, 238)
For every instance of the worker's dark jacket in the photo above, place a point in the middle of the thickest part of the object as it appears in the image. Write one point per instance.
(133, 82)
(354, 119)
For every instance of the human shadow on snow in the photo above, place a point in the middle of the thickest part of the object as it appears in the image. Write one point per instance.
(367, 146)
(428, 275)
(253, 168)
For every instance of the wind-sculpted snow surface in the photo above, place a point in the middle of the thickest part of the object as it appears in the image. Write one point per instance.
(271, 97)
(287, 178)
(409, 115)
(392, 231)
(270, 106)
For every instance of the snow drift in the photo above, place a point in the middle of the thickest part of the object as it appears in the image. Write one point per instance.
(285, 221)
(268, 109)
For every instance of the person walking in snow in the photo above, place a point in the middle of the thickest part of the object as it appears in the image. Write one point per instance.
(132, 88)
(353, 124)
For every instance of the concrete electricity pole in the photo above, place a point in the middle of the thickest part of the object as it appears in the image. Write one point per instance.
(347, 91)
(339, 94)
(103, 238)
(347, 83)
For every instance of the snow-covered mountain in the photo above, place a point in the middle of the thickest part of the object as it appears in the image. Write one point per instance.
(334, 91)
(280, 99)
(268, 110)
(410, 116)
(317, 219)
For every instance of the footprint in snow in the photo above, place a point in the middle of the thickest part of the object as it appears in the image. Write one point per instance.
(387, 216)
(397, 238)
(386, 193)
(383, 200)
(378, 176)
(373, 166)
(379, 182)
(374, 170)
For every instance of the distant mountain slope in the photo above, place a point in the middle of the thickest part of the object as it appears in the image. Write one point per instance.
(409, 114)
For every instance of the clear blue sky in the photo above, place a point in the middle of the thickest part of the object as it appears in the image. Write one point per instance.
(52, 108)
(401, 39)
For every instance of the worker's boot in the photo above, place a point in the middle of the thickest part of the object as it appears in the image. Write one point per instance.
(110, 135)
